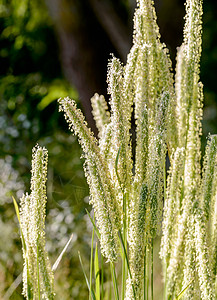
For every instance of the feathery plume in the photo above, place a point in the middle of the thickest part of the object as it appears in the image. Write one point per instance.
(155, 164)
(209, 183)
(100, 112)
(103, 195)
(202, 257)
(37, 275)
(141, 117)
(171, 204)
(188, 266)
(187, 72)
(137, 242)
(121, 124)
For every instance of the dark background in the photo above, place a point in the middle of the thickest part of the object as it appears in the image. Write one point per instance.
(54, 48)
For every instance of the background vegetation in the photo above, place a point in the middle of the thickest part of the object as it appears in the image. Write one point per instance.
(53, 49)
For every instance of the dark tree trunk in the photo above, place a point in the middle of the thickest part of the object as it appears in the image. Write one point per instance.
(90, 30)
(85, 47)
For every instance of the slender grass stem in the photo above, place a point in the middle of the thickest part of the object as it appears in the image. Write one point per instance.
(110, 291)
(123, 278)
(147, 272)
(87, 282)
(124, 273)
(127, 263)
(152, 269)
(144, 278)
(102, 277)
(114, 280)
(165, 196)
(97, 274)
(91, 263)
(38, 277)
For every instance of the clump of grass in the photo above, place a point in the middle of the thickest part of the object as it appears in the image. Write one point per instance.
(127, 194)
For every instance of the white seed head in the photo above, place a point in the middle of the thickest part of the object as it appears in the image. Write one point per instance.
(32, 218)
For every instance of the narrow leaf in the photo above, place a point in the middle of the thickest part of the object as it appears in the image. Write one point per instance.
(128, 265)
(87, 282)
(94, 225)
(102, 277)
(183, 291)
(91, 263)
(97, 273)
(114, 280)
(16, 209)
(61, 254)
(18, 217)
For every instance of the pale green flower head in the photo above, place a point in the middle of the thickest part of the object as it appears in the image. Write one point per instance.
(37, 274)
(102, 190)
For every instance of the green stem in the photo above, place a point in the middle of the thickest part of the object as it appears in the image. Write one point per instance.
(165, 196)
(123, 278)
(125, 245)
(91, 263)
(114, 280)
(102, 275)
(127, 264)
(144, 285)
(152, 270)
(38, 277)
(147, 273)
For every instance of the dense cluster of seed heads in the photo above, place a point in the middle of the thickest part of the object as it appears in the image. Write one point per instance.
(127, 193)
(164, 116)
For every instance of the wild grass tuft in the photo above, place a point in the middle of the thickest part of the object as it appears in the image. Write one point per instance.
(133, 201)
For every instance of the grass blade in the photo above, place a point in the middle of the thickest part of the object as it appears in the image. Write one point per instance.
(94, 225)
(183, 291)
(114, 280)
(91, 263)
(13, 287)
(97, 273)
(29, 288)
(102, 277)
(127, 261)
(61, 254)
(16, 209)
(18, 217)
(87, 282)
(152, 270)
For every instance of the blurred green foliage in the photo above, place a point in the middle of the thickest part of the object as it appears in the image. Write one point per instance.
(26, 37)
(30, 82)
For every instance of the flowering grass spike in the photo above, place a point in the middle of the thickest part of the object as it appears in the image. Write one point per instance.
(37, 274)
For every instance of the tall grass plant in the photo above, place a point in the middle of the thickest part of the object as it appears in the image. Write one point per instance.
(133, 197)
